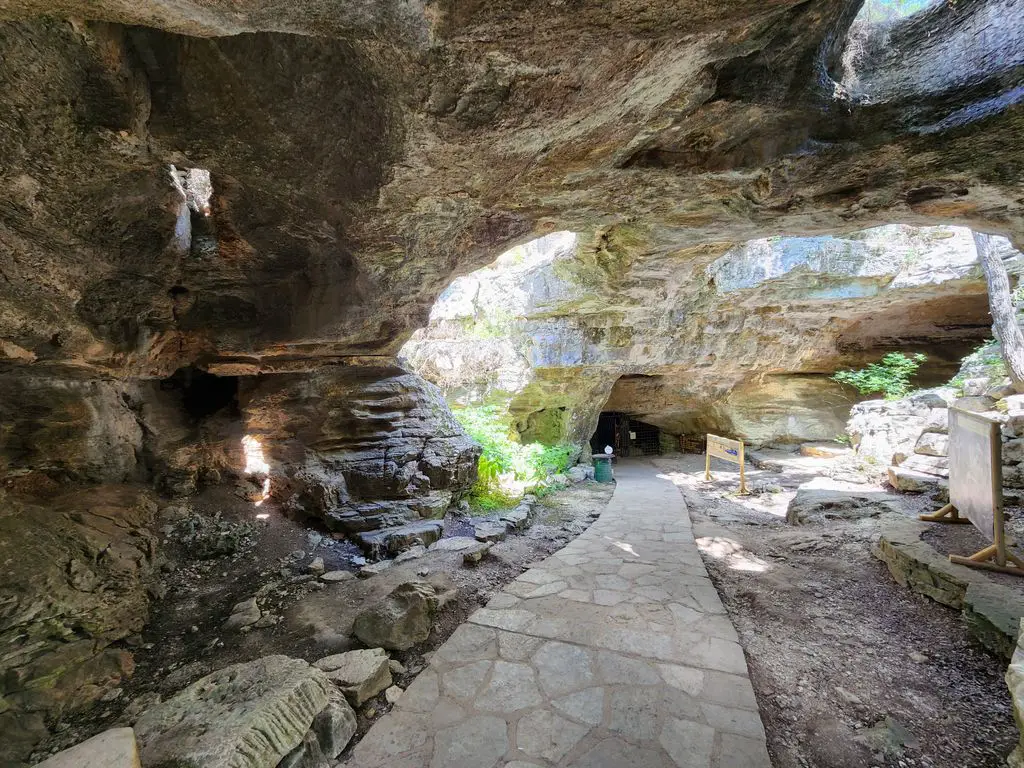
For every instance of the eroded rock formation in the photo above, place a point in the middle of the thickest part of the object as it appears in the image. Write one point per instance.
(360, 447)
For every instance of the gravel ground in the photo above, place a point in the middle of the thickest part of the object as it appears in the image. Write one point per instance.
(850, 670)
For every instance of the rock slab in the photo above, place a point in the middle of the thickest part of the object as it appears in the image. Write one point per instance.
(400, 620)
(390, 541)
(111, 749)
(818, 504)
(490, 532)
(247, 715)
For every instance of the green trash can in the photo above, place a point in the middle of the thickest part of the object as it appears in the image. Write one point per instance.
(603, 467)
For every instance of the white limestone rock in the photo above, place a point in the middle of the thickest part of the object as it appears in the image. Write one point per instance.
(932, 444)
(243, 716)
(359, 674)
(111, 749)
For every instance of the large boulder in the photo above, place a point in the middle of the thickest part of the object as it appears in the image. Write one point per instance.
(330, 733)
(362, 447)
(887, 431)
(247, 715)
(400, 620)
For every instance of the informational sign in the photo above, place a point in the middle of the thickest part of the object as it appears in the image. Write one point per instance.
(976, 489)
(976, 470)
(729, 450)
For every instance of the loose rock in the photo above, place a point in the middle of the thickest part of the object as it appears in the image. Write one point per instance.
(359, 674)
(374, 568)
(476, 553)
(244, 614)
(400, 620)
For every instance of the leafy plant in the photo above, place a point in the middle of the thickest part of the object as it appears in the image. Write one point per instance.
(890, 376)
(504, 457)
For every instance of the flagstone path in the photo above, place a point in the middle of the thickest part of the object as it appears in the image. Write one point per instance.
(615, 652)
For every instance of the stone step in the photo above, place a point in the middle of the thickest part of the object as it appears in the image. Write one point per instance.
(490, 532)
(903, 479)
(396, 539)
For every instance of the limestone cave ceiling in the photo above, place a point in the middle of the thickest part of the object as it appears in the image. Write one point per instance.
(220, 220)
(362, 154)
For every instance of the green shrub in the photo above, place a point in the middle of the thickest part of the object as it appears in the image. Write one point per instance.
(987, 360)
(504, 455)
(890, 376)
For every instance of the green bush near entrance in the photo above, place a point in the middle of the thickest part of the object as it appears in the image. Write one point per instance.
(890, 376)
(504, 458)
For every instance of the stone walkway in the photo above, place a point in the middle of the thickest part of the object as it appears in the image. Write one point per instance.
(613, 653)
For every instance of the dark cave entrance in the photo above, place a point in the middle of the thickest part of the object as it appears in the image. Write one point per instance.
(204, 394)
(627, 436)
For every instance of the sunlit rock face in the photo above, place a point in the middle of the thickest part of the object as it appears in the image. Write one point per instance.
(741, 340)
(359, 447)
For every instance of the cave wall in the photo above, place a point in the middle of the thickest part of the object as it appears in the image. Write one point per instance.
(69, 429)
(74, 566)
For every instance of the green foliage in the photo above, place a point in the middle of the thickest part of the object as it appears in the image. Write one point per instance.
(987, 360)
(485, 425)
(503, 455)
(890, 376)
(489, 497)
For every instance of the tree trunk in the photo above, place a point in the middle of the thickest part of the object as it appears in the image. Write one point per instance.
(1004, 317)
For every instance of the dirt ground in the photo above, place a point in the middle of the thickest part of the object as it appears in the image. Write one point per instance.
(219, 553)
(850, 669)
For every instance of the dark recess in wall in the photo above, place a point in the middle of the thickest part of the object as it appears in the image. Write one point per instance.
(204, 394)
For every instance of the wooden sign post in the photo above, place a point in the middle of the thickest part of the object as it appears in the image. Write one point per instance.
(729, 450)
(976, 489)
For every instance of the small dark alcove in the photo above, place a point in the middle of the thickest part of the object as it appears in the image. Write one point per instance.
(204, 394)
